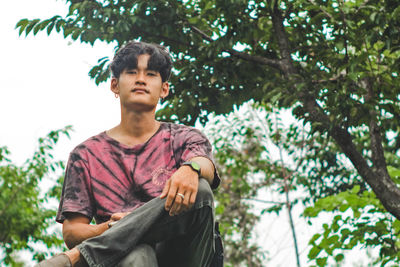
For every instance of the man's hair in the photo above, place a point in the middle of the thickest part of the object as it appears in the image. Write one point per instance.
(126, 58)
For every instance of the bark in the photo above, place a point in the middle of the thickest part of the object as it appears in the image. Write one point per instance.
(256, 59)
(376, 175)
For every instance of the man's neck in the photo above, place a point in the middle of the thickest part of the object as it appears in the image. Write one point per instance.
(135, 128)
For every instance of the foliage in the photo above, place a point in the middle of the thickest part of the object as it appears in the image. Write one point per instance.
(247, 160)
(234, 212)
(22, 204)
(254, 142)
(237, 166)
(334, 63)
(360, 221)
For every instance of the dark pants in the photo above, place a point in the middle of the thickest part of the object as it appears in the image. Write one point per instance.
(185, 240)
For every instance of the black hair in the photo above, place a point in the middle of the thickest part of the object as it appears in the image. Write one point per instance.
(126, 58)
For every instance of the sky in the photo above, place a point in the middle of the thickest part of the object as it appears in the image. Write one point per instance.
(44, 85)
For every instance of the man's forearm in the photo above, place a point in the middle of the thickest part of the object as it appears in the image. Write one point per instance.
(207, 168)
(75, 233)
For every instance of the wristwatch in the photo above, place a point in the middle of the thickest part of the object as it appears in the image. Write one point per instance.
(194, 165)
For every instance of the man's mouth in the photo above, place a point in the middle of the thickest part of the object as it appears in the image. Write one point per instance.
(139, 90)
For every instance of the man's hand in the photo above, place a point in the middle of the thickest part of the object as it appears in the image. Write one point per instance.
(118, 216)
(181, 190)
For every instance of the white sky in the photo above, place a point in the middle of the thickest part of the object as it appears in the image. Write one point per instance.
(44, 85)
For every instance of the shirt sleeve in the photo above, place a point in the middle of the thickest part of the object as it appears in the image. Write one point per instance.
(191, 143)
(76, 193)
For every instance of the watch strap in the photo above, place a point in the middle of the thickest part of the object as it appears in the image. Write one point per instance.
(194, 165)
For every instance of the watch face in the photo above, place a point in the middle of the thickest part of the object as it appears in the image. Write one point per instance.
(195, 166)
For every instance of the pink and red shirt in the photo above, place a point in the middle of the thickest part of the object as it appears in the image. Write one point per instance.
(104, 176)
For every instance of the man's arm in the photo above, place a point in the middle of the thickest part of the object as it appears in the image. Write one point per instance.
(185, 182)
(77, 228)
(206, 167)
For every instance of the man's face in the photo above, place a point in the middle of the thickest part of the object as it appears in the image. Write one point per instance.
(140, 88)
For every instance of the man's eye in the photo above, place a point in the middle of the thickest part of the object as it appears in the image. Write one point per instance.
(151, 74)
(131, 72)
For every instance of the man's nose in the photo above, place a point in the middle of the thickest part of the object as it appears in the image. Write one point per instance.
(140, 78)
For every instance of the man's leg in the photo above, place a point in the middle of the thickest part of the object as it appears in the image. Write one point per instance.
(151, 223)
(191, 242)
(141, 256)
(193, 248)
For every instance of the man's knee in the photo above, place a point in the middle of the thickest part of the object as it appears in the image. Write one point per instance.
(142, 255)
(204, 193)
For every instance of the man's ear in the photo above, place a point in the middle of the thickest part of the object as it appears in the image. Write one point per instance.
(114, 85)
(164, 90)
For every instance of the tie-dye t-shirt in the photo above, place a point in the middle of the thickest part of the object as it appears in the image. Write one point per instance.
(104, 176)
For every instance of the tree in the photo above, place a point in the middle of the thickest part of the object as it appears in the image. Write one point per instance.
(22, 204)
(255, 152)
(318, 57)
(239, 185)
(334, 63)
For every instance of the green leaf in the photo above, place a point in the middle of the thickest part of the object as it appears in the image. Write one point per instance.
(314, 251)
(314, 238)
(30, 26)
(50, 27)
(75, 34)
(22, 24)
(322, 261)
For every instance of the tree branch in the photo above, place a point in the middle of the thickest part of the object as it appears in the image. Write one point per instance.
(200, 32)
(379, 180)
(286, 63)
(256, 59)
(265, 201)
(316, 114)
(333, 79)
(378, 157)
(323, 10)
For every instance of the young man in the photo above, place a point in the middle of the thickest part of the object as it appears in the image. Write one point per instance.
(146, 183)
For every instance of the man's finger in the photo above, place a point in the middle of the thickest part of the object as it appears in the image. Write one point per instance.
(186, 201)
(179, 201)
(118, 216)
(114, 217)
(170, 196)
(165, 189)
(183, 202)
(173, 209)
